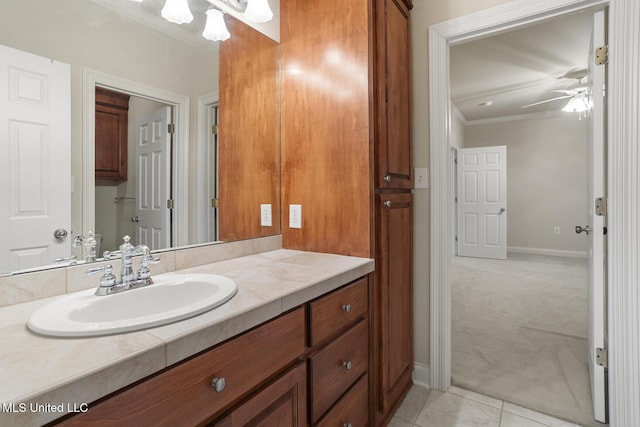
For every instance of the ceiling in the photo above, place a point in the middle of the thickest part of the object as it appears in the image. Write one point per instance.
(519, 67)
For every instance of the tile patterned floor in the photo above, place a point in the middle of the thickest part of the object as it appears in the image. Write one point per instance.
(462, 408)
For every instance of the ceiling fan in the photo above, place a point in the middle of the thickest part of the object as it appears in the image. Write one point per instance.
(578, 101)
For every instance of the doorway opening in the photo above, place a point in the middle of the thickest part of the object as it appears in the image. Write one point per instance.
(440, 292)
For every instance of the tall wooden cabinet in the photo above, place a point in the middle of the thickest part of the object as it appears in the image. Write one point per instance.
(112, 120)
(347, 159)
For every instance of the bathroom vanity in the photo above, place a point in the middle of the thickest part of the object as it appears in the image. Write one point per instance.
(293, 344)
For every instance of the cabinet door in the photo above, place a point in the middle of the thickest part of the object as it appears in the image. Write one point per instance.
(111, 126)
(282, 404)
(395, 305)
(393, 70)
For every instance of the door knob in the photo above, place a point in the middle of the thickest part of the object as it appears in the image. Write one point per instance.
(584, 229)
(135, 219)
(60, 234)
(501, 210)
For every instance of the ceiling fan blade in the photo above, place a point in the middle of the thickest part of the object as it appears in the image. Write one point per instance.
(570, 92)
(546, 100)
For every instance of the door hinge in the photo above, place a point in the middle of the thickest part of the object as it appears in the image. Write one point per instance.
(601, 206)
(170, 204)
(602, 358)
(602, 55)
(171, 128)
(456, 238)
(215, 129)
(214, 203)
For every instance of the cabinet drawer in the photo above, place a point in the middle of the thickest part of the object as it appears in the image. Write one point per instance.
(352, 409)
(333, 312)
(336, 367)
(184, 394)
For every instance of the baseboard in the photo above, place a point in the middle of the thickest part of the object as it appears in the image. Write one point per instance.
(549, 252)
(420, 375)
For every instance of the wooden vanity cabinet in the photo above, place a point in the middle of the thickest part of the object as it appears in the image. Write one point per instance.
(306, 367)
(185, 394)
(111, 126)
(339, 357)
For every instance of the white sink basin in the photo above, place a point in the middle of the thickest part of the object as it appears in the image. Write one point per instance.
(171, 298)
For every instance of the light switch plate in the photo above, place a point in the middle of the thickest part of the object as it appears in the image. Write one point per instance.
(421, 178)
(295, 216)
(265, 215)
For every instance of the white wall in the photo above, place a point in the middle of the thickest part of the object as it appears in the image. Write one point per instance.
(546, 179)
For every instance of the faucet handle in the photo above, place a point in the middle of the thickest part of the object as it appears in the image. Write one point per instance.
(108, 279)
(143, 271)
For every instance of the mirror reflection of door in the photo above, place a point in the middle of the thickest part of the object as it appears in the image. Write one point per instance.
(153, 161)
(119, 209)
(35, 157)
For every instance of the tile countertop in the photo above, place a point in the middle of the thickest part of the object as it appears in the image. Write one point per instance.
(42, 375)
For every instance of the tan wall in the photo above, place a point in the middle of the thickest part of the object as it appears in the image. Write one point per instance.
(424, 14)
(546, 178)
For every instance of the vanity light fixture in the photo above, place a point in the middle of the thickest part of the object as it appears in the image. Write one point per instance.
(254, 10)
(215, 29)
(177, 11)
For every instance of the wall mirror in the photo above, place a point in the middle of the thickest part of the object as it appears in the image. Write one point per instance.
(220, 172)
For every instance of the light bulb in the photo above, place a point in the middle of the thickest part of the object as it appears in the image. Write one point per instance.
(258, 11)
(177, 11)
(215, 29)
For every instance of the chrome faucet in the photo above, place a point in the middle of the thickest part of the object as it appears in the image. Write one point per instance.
(108, 282)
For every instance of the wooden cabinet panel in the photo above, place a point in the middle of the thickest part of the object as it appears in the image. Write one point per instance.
(111, 127)
(394, 280)
(249, 133)
(393, 140)
(352, 409)
(326, 131)
(281, 404)
(337, 310)
(336, 367)
(183, 395)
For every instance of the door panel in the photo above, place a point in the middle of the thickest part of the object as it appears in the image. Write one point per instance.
(597, 238)
(35, 159)
(482, 202)
(152, 152)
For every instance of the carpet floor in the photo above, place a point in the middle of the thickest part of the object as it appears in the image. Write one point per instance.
(519, 332)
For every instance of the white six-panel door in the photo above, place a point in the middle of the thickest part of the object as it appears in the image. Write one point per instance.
(482, 202)
(596, 238)
(152, 193)
(35, 159)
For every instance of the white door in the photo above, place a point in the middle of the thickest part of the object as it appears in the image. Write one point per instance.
(153, 174)
(482, 202)
(35, 159)
(596, 247)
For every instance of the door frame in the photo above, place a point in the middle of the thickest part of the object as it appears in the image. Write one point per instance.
(622, 183)
(203, 190)
(180, 185)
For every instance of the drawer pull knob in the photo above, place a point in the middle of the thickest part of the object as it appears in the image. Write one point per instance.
(218, 384)
(346, 308)
(387, 178)
(347, 425)
(347, 365)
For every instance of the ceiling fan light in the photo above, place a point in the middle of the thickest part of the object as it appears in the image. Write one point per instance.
(576, 104)
(177, 11)
(215, 29)
(258, 11)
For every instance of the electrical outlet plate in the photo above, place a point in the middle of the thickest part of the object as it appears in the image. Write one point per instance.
(556, 230)
(420, 178)
(295, 216)
(265, 216)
